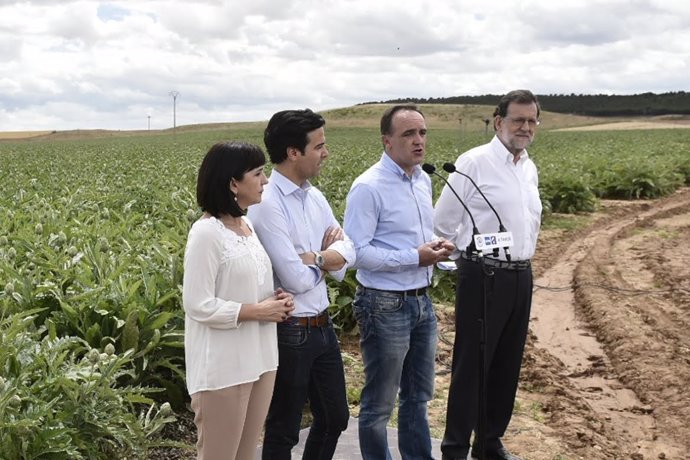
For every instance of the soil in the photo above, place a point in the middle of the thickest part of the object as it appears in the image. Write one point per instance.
(627, 125)
(608, 361)
(606, 372)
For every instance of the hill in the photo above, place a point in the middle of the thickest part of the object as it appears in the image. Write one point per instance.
(469, 117)
(600, 105)
(466, 117)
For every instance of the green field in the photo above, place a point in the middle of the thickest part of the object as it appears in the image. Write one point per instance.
(92, 234)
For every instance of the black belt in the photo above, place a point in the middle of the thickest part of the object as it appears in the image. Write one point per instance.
(409, 293)
(516, 265)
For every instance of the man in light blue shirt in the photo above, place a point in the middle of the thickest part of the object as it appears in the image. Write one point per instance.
(304, 242)
(389, 216)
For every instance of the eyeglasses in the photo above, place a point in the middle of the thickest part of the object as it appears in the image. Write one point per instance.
(519, 122)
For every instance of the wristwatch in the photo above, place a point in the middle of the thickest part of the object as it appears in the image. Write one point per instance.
(318, 259)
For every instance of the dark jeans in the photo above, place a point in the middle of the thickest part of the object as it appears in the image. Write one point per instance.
(507, 320)
(310, 366)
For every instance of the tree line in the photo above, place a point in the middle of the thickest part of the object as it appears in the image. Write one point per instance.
(601, 105)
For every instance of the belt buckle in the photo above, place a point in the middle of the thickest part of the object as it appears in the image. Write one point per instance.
(319, 320)
(416, 292)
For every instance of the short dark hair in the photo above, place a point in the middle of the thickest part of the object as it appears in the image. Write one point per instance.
(387, 117)
(223, 162)
(519, 96)
(290, 128)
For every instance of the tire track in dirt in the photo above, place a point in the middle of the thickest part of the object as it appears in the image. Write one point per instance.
(597, 333)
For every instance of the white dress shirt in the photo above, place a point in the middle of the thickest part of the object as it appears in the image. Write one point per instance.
(512, 189)
(222, 271)
(292, 220)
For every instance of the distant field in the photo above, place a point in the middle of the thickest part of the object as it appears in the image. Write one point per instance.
(627, 125)
(21, 134)
(464, 118)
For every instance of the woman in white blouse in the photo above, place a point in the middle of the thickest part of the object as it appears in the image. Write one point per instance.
(231, 310)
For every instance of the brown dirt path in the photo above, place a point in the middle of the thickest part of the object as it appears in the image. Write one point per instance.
(610, 354)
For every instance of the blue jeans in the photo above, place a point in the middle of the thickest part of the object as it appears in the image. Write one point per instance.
(398, 342)
(310, 367)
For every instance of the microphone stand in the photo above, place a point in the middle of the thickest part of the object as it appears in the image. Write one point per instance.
(486, 273)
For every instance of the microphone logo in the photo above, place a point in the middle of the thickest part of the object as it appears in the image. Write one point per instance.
(450, 168)
(492, 241)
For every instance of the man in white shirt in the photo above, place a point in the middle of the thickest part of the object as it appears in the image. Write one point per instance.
(304, 242)
(508, 178)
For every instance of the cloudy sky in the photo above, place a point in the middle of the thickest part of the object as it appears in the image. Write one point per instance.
(113, 64)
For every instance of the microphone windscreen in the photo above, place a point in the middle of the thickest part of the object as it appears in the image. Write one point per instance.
(428, 168)
(449, 167)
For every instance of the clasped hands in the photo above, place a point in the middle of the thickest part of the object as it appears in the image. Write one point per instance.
(435, 251)
(278, 307)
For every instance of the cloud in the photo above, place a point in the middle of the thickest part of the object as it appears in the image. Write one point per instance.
(89, 64)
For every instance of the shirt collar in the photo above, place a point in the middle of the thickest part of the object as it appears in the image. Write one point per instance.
(501, 150)
(286, 186)
(393, 167)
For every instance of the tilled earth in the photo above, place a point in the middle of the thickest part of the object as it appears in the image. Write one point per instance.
(606, 373)
(609, 356)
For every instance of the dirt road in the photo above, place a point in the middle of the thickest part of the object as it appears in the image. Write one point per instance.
(607, 371)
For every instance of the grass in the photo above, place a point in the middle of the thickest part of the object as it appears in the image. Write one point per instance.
(533, 409)
(566, 222)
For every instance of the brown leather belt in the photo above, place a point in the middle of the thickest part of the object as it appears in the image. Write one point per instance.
(312, 321)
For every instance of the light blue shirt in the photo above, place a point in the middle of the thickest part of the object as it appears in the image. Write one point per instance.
(388, 216)
(292, 220)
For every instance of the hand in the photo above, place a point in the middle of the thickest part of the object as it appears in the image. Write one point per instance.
(276, 308)
(332, 235)
(280, 293)
(308, 258)
(445, 244)
(434, 251)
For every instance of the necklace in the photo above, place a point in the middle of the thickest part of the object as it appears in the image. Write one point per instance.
(236, 224)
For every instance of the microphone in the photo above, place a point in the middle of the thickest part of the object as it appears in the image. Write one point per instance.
(450, 168)
(471, 248)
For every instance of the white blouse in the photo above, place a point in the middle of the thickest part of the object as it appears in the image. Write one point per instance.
(223, 270)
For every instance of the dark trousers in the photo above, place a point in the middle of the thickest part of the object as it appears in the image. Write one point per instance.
(507, 319)
(310, 366)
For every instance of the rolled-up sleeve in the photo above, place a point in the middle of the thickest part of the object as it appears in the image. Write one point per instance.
(346, 249)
